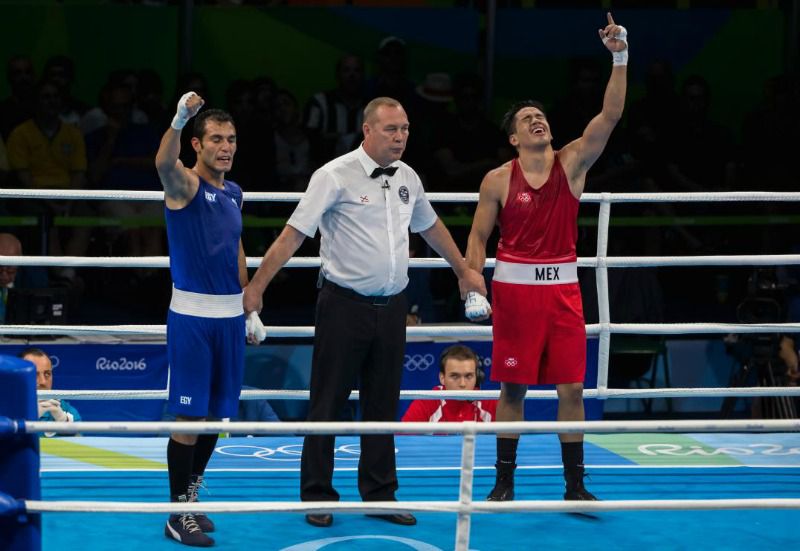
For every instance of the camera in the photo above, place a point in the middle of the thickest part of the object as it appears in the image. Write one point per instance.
(757, 353)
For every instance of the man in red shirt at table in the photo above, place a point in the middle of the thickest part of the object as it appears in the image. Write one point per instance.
(458, 370)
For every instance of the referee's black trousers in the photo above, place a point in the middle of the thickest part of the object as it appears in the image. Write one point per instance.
(354, 340)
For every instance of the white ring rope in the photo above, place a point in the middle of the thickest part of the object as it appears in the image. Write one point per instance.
(672, 392)
(383, 507)
(303, 331)
(395, 427)
(314, 261)
(722, 196)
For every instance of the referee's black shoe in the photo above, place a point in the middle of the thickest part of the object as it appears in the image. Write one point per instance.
(579, 494)
(403, 519)
(321, 521)
(575, 490)
(504, 484)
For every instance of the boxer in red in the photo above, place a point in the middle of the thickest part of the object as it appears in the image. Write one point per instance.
(539, 330)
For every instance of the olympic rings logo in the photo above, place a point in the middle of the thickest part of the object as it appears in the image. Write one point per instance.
(419, 362)
(289, 452)
(750, 449)
(55, 361)
(315, 545)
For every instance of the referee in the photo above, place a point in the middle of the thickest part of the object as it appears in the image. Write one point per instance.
(364, 204)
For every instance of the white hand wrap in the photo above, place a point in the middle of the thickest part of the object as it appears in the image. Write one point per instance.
(182, 115)
(253, 326)
(43, 406)
(620, 58)
(59, 414)
(476, 306)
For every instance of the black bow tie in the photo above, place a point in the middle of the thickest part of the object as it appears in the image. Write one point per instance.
(389, 171)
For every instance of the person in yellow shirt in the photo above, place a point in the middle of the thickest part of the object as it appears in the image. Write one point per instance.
(45, 153)
(3, 161)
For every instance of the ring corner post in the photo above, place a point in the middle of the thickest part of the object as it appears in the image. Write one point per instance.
(19, 456)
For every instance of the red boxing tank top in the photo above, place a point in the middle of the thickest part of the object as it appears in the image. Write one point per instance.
(538, 226)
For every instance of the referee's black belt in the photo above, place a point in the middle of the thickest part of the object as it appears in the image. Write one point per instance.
(379, 300)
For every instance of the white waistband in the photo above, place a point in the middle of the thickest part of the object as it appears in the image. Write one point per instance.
(536, 274)
(206, 306)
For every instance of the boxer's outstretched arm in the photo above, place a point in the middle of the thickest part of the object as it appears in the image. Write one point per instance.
(281, 250)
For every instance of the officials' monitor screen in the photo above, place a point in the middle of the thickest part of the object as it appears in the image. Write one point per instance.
(37, 306)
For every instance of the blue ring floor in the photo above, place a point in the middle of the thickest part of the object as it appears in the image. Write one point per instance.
(621, 466)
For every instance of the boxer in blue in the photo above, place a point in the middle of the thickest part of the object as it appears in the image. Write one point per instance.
(206, 322)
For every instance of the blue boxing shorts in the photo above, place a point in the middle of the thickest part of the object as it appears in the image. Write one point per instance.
(206, 361)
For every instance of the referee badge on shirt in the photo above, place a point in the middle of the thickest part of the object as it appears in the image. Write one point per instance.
(403, 193)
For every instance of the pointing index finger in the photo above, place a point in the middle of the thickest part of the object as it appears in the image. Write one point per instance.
(610, 19)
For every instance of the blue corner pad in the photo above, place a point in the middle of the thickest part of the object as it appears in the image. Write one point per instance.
(10, 426)
(10, 506)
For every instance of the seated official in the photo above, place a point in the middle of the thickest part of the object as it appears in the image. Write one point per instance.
(458, 370)
(256, 410)
(50, 409)
(13, 277)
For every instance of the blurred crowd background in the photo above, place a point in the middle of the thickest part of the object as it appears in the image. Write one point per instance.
(712, 106)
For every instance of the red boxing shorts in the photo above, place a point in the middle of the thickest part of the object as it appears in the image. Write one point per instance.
(538, 326)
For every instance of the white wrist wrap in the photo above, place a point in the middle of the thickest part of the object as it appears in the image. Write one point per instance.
(182, 115)
(620, 58)
(253, 326)
(476, 306)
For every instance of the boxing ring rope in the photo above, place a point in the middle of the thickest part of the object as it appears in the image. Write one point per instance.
(464, 507)
(451, 331)
(288, 197)
(384, 507)
(314, 261)
(601, 263)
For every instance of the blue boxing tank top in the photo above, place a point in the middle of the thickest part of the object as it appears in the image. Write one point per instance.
(203, 240)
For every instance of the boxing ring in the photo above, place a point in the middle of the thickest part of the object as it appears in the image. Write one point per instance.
(666, 484)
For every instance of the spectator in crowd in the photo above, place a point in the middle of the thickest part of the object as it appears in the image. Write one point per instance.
(60, 70)
(29, 277)
(51, 409)
(256, 410)
(651, 122)
(121, 154)
(770, 132)
(96, 117)
(150, 98)
(468, 144)
(9, 246)
(391, 72)
(702, 160)
(297, 152)
(582, 100)
(459, 369)
(336, 115)
(250, 158)
(4, 167)
(46, 153)
(430, 109)
(19, 106)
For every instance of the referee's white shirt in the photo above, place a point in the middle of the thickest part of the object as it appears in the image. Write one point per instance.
(364, 226)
